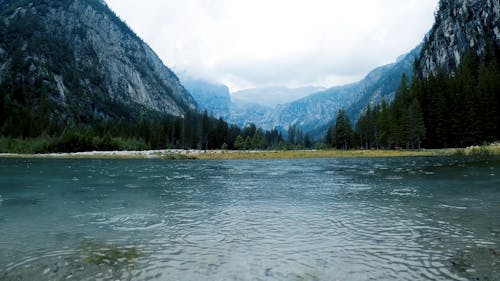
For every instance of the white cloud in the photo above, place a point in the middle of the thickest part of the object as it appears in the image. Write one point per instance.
(278, 42)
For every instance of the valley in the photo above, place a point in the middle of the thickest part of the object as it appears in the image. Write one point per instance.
(249, 140)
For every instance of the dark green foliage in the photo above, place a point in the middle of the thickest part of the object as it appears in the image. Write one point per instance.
(414, 125)
(52, 78)
(341, 134)
(253, 138)
(53, 91)
(239, 143)
(455, 110)
(153, 131)
(69, 142)
(462, 110)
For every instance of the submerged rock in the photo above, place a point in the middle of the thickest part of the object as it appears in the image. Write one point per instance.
(477, 263)
(101, 254)
(94, 260)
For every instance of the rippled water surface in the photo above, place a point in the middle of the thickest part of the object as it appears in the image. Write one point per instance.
(328, 219)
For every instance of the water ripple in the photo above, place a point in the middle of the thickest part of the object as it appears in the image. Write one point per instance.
(346, 219)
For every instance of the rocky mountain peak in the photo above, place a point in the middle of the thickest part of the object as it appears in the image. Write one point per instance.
(461, 26)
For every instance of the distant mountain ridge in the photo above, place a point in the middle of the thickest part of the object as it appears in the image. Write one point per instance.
(385, 82)
(75, 61)
(273, 96)
(213, 97)
(315, 112)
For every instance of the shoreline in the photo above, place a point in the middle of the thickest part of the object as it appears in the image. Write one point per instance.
(191, 154)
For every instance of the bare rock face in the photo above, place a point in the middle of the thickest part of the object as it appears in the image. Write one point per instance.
(461, 26)
(86, 59)
(214, 98)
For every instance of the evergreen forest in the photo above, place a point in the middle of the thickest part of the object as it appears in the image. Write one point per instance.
(439, 111)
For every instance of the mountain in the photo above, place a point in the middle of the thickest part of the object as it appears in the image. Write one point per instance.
(315, 113)
(461, 26)
(311, 111)
(243, 107)
(454, 98)
(460, 73)
(385, 84)
(214, 98)
(74, 61)
(273, 96)
(266, 107)
(243, 114)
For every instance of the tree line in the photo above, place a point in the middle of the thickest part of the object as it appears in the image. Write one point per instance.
(22, 131)
(443, 110)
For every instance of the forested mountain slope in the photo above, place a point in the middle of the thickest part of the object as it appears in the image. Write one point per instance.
(454, 99)
(66, 63)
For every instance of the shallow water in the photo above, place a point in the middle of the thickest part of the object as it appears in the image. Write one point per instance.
(325, 219)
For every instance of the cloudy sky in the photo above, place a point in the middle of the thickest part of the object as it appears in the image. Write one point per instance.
(257, 43)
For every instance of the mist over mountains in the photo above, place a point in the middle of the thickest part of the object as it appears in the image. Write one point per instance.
(273, 96)
(310, 108)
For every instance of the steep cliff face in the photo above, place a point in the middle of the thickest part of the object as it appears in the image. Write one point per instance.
(214, 98)
(74, 59)
(462, 26)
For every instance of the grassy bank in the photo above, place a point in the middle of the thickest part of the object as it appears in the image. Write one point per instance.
(175, 154)
(483, 151)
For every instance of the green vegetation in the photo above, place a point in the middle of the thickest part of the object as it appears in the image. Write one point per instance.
(68, 142)
(486, 152)
(457, 110)
(462, 109)
(100, 254)
(340, 135)
(399, 125)
(35, 117)
(195, 131)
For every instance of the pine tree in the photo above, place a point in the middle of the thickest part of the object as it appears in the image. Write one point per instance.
(292, 135)
(419, 129)
(308, 141)
(414, 125)
(205, 127)
(239, 144)
(222, 132)
(330, 137)
(364, 128)
(343, 130)
(385, 126)
(488, 114)
(375, 127)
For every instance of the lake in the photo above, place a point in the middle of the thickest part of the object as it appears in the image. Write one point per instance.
(315, 219)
